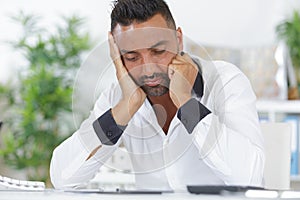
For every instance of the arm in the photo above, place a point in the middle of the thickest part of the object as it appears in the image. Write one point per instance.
(78, 159)
(229, 138)
(132, 95)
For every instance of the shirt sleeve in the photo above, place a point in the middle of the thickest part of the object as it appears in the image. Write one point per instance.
(107, 129)
(70, 165)
(229, 140)
(191, 113)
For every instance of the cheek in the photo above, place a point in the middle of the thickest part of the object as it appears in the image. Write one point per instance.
(166, 60)
(133, 70)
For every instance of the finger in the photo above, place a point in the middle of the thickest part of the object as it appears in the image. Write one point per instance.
(176, 61)
(178, 58)
(170, 72)
(114, 50)
(115, 55)
(184, 57)
(174, 68)
(177, 73)
(112, 47)
(181, 68)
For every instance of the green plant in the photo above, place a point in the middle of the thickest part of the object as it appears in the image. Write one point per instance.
(289, 32)
(41, 102)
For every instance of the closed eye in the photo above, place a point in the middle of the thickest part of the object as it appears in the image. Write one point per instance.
(131, 57)
(158, 51)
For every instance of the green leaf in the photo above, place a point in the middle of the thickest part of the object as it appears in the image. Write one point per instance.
(44, 94)
(289, 31)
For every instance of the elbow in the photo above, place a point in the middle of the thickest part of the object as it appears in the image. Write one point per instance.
(254, 169)
(257, 175)
(70, 173)
(56, 174)
(248, 169)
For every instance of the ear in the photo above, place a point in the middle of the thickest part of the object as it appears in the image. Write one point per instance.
(179, 39)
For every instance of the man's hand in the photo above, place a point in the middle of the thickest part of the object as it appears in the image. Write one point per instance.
(133, 96)
(182, 73)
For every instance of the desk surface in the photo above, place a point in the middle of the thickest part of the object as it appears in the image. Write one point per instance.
(61, 195)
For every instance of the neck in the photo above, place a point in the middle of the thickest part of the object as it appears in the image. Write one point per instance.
(164, 109)
(160, 99)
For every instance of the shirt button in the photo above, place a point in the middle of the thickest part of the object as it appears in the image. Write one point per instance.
(109, 134)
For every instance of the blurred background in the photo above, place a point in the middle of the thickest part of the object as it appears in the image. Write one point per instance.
(44, 43)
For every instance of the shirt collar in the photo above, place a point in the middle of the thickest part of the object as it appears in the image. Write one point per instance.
(198, 85)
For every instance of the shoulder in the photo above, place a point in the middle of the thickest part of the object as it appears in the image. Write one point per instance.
(215, 71)
(224, 79)
(219, 69)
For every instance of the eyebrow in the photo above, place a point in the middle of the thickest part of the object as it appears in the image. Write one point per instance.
(124, 51)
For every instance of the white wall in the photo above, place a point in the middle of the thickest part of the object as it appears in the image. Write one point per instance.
(96, 12)
(230, 22)
(226, 23)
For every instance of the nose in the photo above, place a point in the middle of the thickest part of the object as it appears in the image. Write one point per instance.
(148, 66)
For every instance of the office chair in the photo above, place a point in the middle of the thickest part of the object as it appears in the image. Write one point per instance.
(277, 138)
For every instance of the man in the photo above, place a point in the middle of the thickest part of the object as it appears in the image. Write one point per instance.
(183, 120)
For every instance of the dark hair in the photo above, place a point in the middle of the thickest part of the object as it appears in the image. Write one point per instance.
(125, 12)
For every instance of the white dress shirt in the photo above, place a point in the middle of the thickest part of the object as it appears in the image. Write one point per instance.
(225, 147)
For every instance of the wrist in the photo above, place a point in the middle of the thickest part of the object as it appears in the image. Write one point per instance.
(191, 113)
(107, 129)
(123, 112)
(182, 100)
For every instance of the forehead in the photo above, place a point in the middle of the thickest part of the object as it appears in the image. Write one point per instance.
(145, 34)
(145, 38)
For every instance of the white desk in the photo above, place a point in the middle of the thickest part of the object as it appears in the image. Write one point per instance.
(60, 195)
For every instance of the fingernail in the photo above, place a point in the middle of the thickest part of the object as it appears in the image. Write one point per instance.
(182, 53)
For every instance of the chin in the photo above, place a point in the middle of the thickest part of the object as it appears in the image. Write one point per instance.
(155, 91)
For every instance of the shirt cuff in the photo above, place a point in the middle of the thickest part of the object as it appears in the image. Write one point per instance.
(107, 129)
(191, 113)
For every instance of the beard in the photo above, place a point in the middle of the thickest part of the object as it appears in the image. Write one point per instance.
(157, 90)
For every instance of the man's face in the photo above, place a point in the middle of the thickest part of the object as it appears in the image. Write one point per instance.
(147, 49)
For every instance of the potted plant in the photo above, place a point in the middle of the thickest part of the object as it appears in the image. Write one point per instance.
(41, 102)
(289, 32)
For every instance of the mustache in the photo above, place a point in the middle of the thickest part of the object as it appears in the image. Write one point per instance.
(144, 78)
